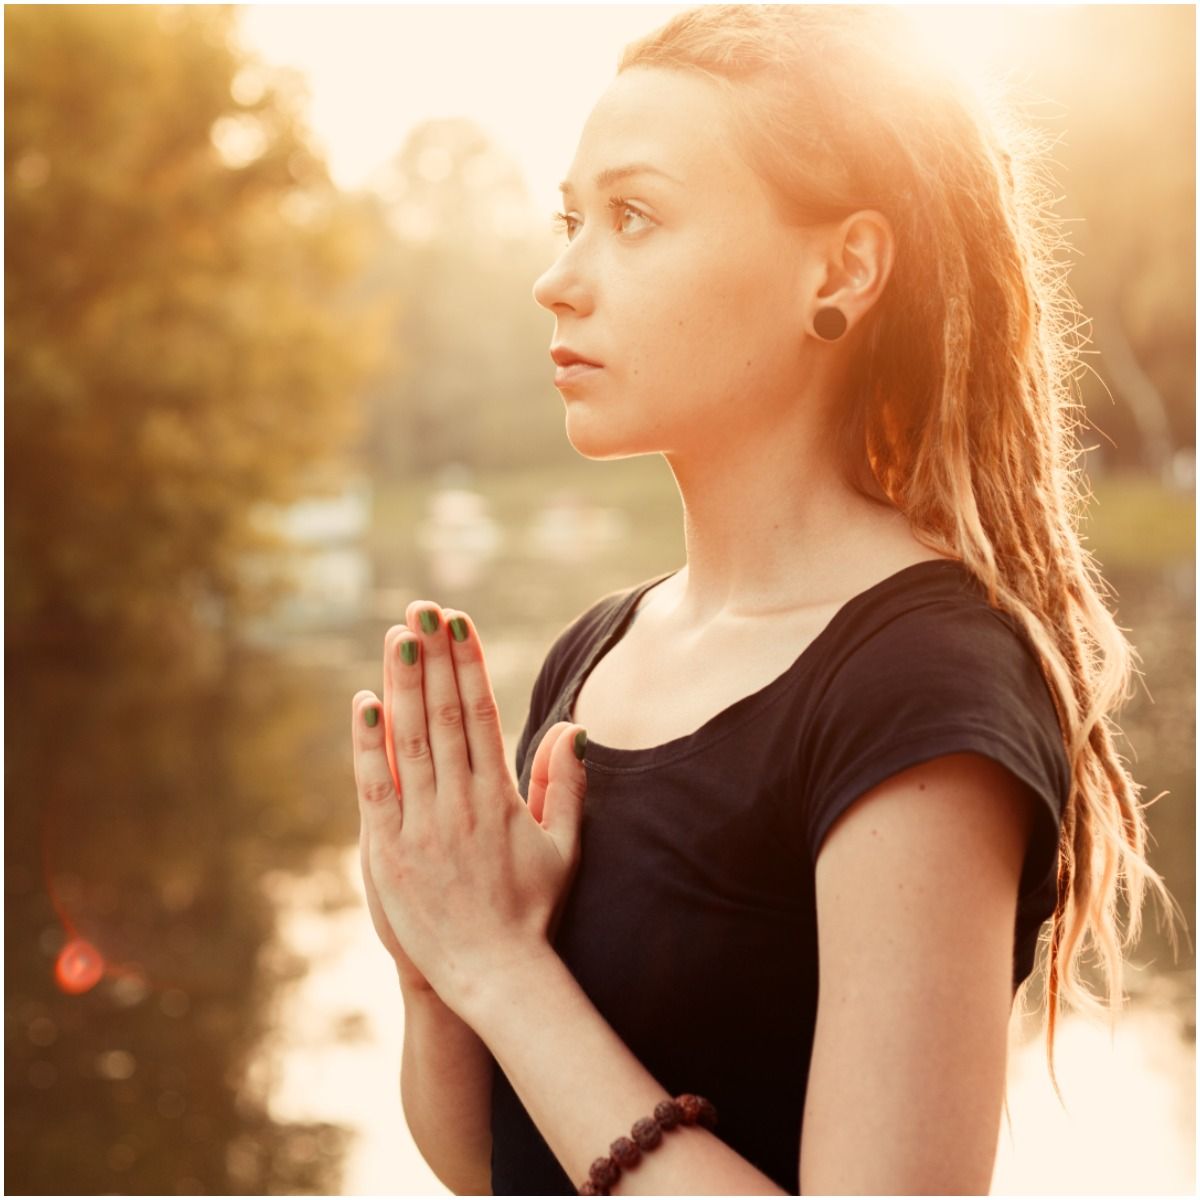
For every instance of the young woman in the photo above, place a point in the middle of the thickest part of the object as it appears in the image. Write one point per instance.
(861, 737)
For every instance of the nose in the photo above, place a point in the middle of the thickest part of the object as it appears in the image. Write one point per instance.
(560, 286)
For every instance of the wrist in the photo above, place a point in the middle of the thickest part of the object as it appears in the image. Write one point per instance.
(506, 981)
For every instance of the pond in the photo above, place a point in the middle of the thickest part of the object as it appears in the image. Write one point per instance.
(196, 829)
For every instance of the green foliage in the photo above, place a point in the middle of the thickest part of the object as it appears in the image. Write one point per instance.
(1133, 522)
(179, 344)
(473, 381)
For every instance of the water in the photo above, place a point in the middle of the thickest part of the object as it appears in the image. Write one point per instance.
(1128, 1127)
(196, 823)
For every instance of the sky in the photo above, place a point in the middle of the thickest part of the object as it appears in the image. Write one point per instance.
(528, 74)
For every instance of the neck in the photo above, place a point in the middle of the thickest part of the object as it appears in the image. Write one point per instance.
(771, 528)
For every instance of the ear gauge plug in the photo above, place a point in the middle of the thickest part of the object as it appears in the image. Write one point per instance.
(830, 323)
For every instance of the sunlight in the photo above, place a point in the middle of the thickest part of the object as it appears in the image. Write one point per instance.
(991, 49)
(373, 73)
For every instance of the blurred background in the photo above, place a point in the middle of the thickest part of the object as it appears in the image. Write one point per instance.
(272, 371)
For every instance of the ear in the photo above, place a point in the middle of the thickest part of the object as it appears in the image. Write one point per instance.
(860, 253)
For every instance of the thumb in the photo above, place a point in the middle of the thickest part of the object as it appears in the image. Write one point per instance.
(566, 787)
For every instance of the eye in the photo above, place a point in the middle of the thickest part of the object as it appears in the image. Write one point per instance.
(565, 223)
(561, 223)
(621, 206)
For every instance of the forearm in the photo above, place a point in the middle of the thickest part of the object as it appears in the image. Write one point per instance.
(445, 1091)
(584, 1088)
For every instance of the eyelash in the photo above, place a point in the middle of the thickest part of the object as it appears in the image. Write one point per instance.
(561, 222)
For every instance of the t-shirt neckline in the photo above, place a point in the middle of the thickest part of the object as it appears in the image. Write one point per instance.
(619, 759)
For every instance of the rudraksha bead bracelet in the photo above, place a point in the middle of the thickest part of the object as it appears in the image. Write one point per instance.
(646, 1135)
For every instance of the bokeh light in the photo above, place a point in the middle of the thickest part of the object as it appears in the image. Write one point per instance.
(79, 967)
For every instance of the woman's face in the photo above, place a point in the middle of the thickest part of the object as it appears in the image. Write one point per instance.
(681, 281)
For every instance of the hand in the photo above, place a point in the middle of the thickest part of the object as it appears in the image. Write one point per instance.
(468, 878)
(411, 980)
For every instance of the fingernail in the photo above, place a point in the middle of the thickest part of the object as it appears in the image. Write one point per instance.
(429, 620)
(371, 715)
(408, 650)
(580, 744)
(458, 627)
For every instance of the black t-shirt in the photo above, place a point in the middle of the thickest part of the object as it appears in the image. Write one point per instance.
(691, 924)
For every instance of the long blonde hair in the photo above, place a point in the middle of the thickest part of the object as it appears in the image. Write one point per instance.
(960, 407)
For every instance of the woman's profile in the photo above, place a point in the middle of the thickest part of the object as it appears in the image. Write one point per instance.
(850, 767)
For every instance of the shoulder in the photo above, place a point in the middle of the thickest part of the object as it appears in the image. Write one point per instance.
(931, 603)
(933, 644)
(924, 672)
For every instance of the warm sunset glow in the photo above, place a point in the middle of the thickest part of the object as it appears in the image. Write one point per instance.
(283, 280)
(973, 38)
(372, 73)
(528, 75)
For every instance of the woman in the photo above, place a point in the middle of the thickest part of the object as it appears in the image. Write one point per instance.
(862, 734)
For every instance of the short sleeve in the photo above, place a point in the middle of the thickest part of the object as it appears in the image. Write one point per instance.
(945, 678)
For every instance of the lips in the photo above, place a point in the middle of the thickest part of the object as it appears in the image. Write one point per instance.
(571, 366)
(564, 356)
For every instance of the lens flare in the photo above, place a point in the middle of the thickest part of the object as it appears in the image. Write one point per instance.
(79, 967)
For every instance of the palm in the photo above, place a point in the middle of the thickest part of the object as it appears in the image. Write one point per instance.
(441, 675)
(383, 927)
(540, 779)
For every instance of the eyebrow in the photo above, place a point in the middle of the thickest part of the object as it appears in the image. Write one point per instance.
(610, 176)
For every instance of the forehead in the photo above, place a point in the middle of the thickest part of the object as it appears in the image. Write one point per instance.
(671, 119)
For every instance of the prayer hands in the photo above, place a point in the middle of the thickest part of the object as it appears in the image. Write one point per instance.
(462, 877)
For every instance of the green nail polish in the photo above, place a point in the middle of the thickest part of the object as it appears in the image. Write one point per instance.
(408, 650)
(371, 716)
(458, 627)
(429, 620)
(580, 744)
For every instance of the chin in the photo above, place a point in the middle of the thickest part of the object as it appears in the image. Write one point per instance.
(598, 440)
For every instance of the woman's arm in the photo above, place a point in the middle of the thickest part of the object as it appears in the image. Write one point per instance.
(916, 888)
(469, 877)
(584, 1088)
(445, 1090)
(446, 1071)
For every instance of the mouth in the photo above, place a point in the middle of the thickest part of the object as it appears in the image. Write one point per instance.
(575, 372)
(571, 367)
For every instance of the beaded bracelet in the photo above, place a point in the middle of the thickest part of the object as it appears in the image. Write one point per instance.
(646, 1135)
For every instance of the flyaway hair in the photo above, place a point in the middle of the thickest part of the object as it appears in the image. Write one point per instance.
(960, 407)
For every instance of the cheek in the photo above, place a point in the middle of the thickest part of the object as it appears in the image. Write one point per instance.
(732, 302)
(726, 337)
(705, 319)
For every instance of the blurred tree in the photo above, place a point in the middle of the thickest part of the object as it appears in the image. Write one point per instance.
(1123, 82)
(156, 837)
(475, 384)
(180, 345)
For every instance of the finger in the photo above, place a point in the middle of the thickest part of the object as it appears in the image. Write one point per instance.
(378, 803)
(388, 740)
(481, 714)
(562, 813)
(539, 773)
(413, 762)
(443, 708)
